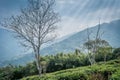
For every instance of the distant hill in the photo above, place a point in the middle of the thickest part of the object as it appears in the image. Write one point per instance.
(111, 33)
(9, 46)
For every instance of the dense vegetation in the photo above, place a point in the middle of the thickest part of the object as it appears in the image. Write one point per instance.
(62, 61)
(99, 71)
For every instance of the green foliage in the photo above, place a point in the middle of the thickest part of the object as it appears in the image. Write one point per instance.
(116, 53)
(62, 61)
(100, 71)
(116, 76)
(104, 54)
(6, 71)
(17, 72)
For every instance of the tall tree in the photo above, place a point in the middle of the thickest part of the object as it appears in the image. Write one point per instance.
(92, 45)
(35, 26)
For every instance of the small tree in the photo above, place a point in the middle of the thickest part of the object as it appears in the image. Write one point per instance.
(105, 48)
(92, 45)
(35, 26)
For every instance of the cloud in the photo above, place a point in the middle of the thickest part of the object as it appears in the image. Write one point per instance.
(73, 24)
(66, 1)
(75, 14)
(69, 25)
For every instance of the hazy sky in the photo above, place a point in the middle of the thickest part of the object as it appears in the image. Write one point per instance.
(75, 14)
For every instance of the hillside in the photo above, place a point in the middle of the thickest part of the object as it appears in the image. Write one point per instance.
(9, 48)
(111, 34)
(100, 71)
(65, 62)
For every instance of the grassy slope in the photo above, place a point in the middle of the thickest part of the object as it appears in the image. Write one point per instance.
(100, 71)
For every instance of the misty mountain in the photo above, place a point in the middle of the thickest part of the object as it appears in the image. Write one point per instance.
(110, 32)
(9, 46)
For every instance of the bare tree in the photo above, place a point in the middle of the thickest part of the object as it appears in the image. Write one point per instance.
(35, 26)
(88, 46)
(92, 45)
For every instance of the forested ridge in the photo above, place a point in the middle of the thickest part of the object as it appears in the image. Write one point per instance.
(62, 61)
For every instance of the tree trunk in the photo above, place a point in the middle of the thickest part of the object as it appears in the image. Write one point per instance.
(94, 61)
(105, 58)
(39, 67)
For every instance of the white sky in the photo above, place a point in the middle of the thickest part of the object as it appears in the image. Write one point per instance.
(76, 15)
